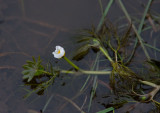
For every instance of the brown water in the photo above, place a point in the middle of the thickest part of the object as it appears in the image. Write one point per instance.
(34, 27)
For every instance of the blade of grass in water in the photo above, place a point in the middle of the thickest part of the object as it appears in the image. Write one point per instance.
(101, 7)
(152, 47)
(144, 15)
(104, 15)
(134, 28)
(106, 110)
(140, 28)
(92, 68)
(94, 87)
(93, 91)
(47, 103)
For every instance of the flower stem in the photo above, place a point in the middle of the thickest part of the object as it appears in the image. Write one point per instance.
(83, 71)
(71, 63)
(87, 72)
(105, 52)
(96, 72)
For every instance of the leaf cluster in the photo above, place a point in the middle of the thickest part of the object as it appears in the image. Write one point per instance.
(32, 69)
(38, 76)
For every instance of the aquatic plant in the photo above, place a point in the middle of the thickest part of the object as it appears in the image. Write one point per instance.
(120, 76)
(104, 40)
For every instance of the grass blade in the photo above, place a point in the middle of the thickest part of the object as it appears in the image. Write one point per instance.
(93, 91)
(140, 28)
(95, 84)
(101, 7)
(106, 110)
(47, 103)
(92, 68)
(104, 15)
(134, 28)
(152, 47)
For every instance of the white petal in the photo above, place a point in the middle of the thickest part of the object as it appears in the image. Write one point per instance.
(58, 54)
(58, 47)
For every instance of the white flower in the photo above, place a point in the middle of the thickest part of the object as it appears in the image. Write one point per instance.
(59, 52)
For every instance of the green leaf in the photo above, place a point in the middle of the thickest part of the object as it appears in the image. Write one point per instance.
(81, 52)
(32, 68)
(84, 39)
(106, 110)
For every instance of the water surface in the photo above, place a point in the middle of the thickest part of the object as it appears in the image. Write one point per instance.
(33, 28)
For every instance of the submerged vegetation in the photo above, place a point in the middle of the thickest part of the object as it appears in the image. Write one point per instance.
(118, 46)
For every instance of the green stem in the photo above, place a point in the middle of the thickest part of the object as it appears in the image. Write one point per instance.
(71, 63)
(87, 72)
(67, 72)
(105, 52)
(48, 73)
(96, 72)
(104, 15)
(84, 71)
(148, 83)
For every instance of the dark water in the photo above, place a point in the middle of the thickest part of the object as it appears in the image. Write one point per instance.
(34, 27)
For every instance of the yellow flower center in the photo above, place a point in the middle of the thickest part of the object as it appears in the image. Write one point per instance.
(59, 51)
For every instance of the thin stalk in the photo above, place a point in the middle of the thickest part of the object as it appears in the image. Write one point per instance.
(48, 73)
(140, 28)
(94, 86)
(92, 68)
(47, 103)
(134, 28)
(148, 83)
(105, 52)
(96, 72)
(67, 72)
(152, 47)
(144, 15)
(149, 96)
(71, 63)
(101, 7)
(87, 72)
(104, 15)
(93, 91)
